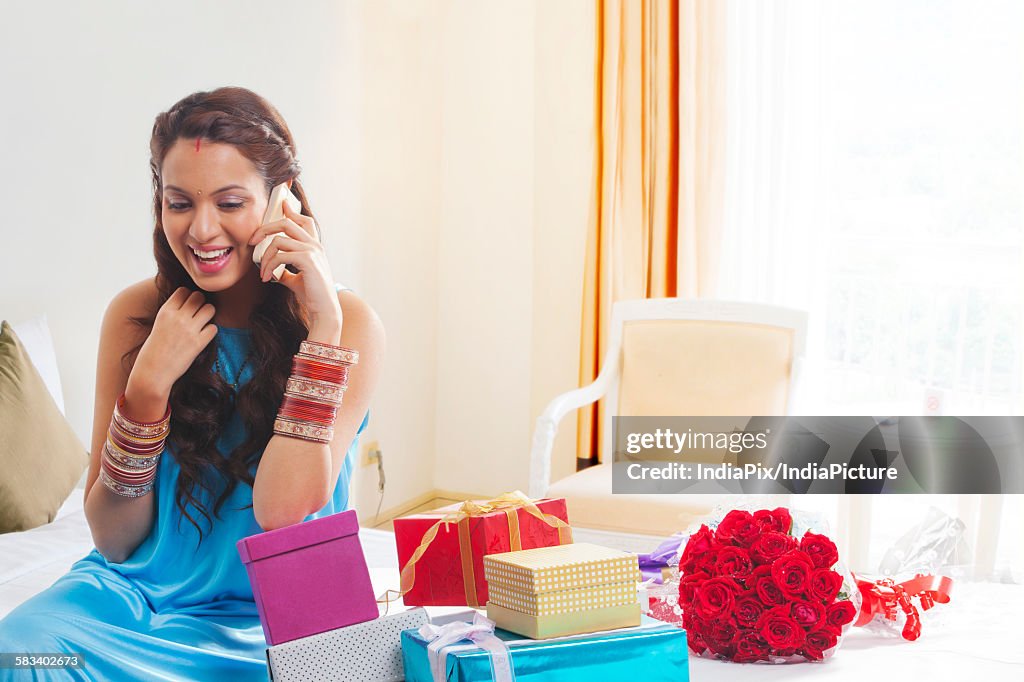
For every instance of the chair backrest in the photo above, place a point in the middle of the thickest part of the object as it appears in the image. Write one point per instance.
(698, 357)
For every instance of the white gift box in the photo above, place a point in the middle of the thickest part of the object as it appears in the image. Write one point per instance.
(365, 652)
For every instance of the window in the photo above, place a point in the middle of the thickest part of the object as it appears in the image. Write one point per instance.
(875, 178)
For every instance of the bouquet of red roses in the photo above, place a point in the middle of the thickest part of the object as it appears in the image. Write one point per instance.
(753, 588)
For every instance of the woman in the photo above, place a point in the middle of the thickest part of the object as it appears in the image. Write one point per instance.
(208, 425)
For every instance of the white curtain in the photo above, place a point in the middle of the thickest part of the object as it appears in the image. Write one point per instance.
(875, 159)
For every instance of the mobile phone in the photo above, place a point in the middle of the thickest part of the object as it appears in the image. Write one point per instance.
(275, 211)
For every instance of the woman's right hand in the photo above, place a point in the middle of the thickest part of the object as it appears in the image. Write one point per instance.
(180, 332)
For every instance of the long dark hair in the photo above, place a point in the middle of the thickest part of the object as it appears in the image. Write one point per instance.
(200, 399)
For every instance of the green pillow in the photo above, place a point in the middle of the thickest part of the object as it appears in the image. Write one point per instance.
(41, 458)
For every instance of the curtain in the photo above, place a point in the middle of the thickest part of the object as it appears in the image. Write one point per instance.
(658, 167)
(841, 199)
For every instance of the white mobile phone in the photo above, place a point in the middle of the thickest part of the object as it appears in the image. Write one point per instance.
(275, 211)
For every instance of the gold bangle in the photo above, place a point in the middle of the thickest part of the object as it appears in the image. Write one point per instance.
(325, 351)
(141, 440)
(305, 431)
(126, 459)
(322, 391)
(125, 490)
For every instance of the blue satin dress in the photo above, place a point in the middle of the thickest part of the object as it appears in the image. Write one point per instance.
(170, 611)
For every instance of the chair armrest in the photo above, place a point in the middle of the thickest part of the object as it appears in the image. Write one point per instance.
(547, 427)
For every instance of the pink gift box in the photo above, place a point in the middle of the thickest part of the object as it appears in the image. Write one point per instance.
(309, 578)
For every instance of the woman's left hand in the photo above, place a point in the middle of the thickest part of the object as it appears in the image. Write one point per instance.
(299, 247)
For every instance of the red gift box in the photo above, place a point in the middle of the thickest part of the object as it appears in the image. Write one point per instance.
(442, 552)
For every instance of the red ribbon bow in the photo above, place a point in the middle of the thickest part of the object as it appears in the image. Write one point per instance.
(884, 596)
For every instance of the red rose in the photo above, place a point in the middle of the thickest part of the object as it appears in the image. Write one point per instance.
(822, 551)
(824, 585)
(792, 571)
(701, 541)
(715, 598)
(779, 630)
(737, 528)
(705, 563)
(749, 647)
(688, 584)
(694, 633)
(840, 613)
(747, 610)
(770, 545)
(817, 643)
(808, 614)
(733, 561)
(778, 520)
(719, 638)
(768, 590)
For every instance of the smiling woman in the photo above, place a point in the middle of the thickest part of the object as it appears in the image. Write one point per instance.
(206, 429)
(206, 229)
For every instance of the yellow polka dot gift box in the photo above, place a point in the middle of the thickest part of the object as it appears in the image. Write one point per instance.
(562, 590)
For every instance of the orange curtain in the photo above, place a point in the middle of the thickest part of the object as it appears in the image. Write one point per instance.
(640, 232)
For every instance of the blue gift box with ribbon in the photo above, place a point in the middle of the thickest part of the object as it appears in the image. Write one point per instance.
(477, 652)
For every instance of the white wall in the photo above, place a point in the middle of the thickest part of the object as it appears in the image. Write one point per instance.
(564, 178)
(517, 143)
(399, 171)
(445, 148)
(486, 246)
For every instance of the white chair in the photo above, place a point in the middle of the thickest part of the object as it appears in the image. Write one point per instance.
(670, 357)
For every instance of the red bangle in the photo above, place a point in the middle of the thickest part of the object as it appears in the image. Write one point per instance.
(337, 374)
(292, 412)
(133, 447)
(302, 409)
(130, 451)
(125, 490)
(142, 429)
(161, 420)
(319, 371)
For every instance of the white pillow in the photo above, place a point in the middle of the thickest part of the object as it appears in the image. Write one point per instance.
(35, 337)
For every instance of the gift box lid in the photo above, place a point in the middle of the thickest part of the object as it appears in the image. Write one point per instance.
(291, 538)
(562, 567)
(441, 512)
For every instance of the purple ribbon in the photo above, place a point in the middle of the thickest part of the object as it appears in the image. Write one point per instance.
(664, 555)
(480, 632)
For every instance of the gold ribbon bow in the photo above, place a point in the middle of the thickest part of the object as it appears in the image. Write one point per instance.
(510, 503)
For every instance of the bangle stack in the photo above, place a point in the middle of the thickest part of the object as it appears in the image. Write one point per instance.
(314, 391)
(132, 452)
